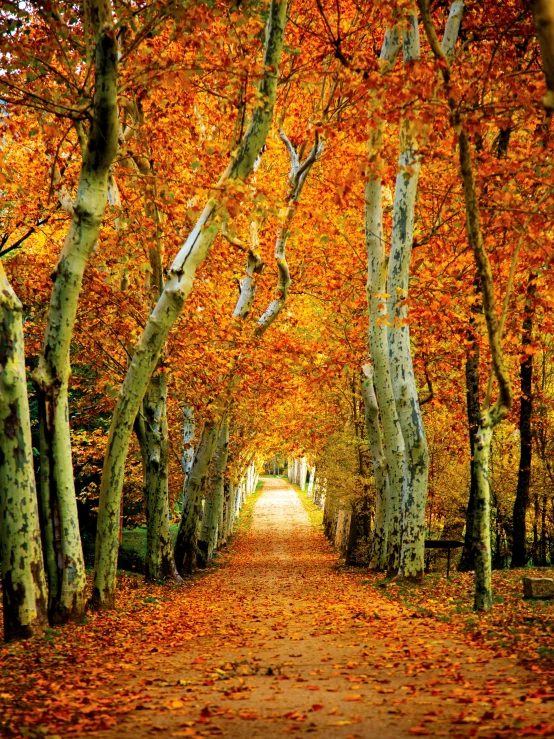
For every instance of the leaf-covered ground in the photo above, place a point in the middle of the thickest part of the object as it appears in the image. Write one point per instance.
(279, 639)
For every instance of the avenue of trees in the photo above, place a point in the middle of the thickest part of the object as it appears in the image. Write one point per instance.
(313, 235)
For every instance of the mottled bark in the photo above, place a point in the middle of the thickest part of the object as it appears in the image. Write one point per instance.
(187, 457)
(213, 502)
(224, 514)
(187, 536)
(23, 580)
(159, 562)
(410, 531)
(411, 564)
(64, 556)
(378, 553)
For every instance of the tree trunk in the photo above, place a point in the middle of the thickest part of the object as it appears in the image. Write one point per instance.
(177, 288)
(311, 482)
(378, 339)
(490, 417)
(187, 458)
(223, 525)
(412, 534)
(467, 561)
(64, 555)
(213, 504)
(482, 530)
(387, 544)
(358, 534)
(230, 510)
(187, 536)
(519, 547)
(23, 579)
(543, 558)
(159, 562)
(303, 473)
(378, 554)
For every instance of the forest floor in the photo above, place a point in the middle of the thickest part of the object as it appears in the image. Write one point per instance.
(280, 639)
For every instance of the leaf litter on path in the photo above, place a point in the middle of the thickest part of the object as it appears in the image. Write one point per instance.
(244, 650)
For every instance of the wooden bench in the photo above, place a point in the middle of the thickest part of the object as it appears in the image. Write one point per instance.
(447, 544)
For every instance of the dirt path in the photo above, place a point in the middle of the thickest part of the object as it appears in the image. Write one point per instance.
(291, 645)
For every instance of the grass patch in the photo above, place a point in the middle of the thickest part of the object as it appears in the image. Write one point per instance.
(244, 523)
(315, 513)
(132, 549)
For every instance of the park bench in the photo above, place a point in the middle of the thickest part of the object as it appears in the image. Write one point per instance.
(447, 544)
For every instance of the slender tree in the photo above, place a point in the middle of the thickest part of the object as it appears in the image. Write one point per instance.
(491, 416)
(390, 479)
(62, 541)
(521, 504)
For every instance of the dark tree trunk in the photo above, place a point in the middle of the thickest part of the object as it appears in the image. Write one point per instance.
(357, 548)
(519, 549)
(467, 560)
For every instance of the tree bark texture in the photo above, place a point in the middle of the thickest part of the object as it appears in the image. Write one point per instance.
(213, 502)
(187, 535)
(224, 514)
(393, 440)
(490, 417)
(64, 556)
(187, 457)
(481, 521)
(378, 553)
(519, 546)
(159, 562)
(177, 288)
(386, 544)
(23, 579)
(414, 493)
(467, 561)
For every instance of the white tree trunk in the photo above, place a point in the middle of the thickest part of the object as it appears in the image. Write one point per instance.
(177, 288)
(159, 561)
(378, 338)
(23, 580)
(378, 330)
(297, 179)
(311, 482)
(481, 516)
(378, 554)
(403, 378)
(186, 542)
(64, 556)
(213, 503)
(189, 429)
(303, 472)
